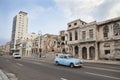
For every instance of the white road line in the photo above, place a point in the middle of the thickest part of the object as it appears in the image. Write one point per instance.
(63, 79)
(19, 64)
(102, 69)
(103, 75)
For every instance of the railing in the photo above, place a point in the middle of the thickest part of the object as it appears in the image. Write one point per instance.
(87, 40)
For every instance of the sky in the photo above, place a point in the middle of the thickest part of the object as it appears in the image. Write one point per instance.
(52, 16)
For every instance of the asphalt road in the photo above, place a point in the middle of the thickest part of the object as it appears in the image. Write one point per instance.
(36, 70)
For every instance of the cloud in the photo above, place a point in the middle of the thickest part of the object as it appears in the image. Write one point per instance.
(89, 10)
(114, 11)
(82, 9)
(44, 19)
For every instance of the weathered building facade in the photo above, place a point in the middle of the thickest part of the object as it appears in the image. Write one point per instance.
(109, 38)
(94, 40)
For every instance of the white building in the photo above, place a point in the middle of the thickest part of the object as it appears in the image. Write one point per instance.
(19, 29)
(32, 36)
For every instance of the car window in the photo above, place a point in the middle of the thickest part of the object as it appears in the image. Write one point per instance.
(65, 56)
(70, 56)
(61, 56)
(16, 54)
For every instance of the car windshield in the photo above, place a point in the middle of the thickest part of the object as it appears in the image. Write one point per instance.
(16, 54)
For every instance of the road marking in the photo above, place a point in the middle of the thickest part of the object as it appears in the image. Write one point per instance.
(63, 79)
(103, 69)
(103, 75)
(19, 64)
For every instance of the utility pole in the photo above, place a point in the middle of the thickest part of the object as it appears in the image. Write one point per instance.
(39, 44)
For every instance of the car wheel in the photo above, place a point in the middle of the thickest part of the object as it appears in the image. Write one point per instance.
(71, 65)
(57, 63)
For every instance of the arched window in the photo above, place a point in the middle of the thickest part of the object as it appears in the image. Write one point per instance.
(70, 36)
(105, 31)
(76, 35)
(116, 29)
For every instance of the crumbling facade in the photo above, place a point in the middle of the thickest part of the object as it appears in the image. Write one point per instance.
(94, 40)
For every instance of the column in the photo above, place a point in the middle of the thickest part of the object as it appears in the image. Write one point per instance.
(88, 54)
(69, 49)
(80, 52)
(73, 50)
(96, 51)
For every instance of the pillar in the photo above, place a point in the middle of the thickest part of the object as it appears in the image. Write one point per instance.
(73, 50)
(80, 52)
(96, 51)
(88, 54)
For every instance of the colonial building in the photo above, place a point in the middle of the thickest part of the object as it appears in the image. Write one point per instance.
(62, 41)
(94, 40)
(50, 43)
(109, 38)
(44, 44)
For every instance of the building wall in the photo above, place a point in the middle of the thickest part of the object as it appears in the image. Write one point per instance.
(108, 48)
(87, 28)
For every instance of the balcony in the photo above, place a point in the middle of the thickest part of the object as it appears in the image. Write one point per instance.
(73, 42)
(116, 37)
(88, 40)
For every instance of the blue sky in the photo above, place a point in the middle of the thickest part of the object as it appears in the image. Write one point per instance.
(51, 16)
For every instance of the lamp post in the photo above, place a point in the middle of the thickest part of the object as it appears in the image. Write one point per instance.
(39, 43)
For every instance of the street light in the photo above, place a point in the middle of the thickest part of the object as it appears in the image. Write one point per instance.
(39, 46)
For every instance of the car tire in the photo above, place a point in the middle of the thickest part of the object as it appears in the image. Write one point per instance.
(57, 63)
(71, 65)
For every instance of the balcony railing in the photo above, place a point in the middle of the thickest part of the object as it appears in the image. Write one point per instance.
(87, 40)
(116, 37)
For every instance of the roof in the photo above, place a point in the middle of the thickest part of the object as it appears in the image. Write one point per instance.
(109, 21)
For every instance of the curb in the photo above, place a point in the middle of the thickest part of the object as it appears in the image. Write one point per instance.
(3, 76)
(86, 61)
(103, 62)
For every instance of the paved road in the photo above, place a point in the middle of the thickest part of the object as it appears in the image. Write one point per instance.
(36, 70)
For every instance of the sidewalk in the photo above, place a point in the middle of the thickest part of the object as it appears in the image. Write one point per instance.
(3, 75)
(51, 60)
(103, 61)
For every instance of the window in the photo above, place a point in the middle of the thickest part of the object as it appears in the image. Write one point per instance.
(75, 24)
(107, 52)
(76, 35)
(63, 38)
(58, 42)
(91, 33)
(70, 36)
(116, 29)
(83, 35)
(69, 25)
(105, 31)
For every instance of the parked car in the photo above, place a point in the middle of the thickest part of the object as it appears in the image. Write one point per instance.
(16, 55)
(68, 60)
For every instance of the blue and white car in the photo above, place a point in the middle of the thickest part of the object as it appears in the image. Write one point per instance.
(68, 60)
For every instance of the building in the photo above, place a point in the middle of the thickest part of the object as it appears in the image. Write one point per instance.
(19, 29)
(44, 44)
(109, 38)
(94, 40)
(32, 36)
(5, 49)
(62, 41)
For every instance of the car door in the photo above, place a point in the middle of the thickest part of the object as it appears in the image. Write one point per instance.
(65, 60)
(61, 59)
